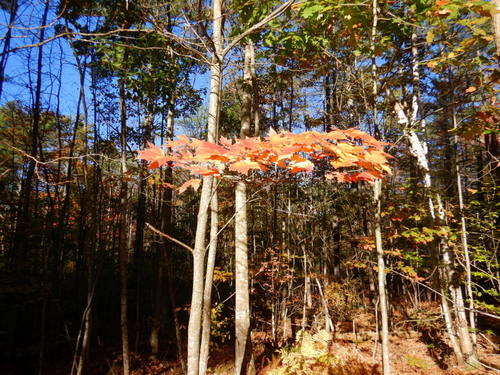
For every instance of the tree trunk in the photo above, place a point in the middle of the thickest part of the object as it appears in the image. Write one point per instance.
(207, 294)
(6, 44)
(139, 233)
(462, 348)
(123, 239)
(377, 229)
(495, 15)
(19, 250)
(242, 296)
(382, 288)
(463, 235)
(195, 315)
(194, 326)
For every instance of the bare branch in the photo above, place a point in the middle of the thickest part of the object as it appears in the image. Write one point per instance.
(274, 14)
(180, 243)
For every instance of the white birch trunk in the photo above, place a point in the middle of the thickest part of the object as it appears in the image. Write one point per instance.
(459, 336)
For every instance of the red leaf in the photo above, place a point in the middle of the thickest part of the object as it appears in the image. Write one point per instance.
(362, 176)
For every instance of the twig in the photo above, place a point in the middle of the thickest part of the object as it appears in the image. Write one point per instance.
(180, 243)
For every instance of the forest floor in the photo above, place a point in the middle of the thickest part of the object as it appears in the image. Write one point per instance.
(417, 346)
(410, 355)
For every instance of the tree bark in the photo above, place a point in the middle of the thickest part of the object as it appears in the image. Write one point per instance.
(377, 230)
(6, 44)
(195, 317)
(243, 357)
(495, 15)
(19, 250)
(242, 298)
(123, 239)
(382, 288)
(207, 293)
(462, 346)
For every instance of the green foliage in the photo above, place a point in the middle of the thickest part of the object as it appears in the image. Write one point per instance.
(221, 324)
(416, 362)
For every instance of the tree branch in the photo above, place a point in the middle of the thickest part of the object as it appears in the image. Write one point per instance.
(180, 243)
(274, 14)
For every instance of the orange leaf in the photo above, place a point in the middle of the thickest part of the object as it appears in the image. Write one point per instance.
(339, 176)
(204, 171)
(243, 166)
(362, 176)
(470, 89)
(376, 157)
(193, 183)
(305, 165)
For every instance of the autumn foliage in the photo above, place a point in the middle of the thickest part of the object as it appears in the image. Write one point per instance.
(351, 154)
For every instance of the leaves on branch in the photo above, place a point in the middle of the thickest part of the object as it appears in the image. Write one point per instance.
(359, 156)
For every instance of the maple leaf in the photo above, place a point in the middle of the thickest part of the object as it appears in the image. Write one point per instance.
(221, 158)
(201, 170)
(362, 176)
(154, 155)
(206, 150)
(243, 166)
(151, 153)
(335, 135)
(299, 164)
(193, 183)
(376, 157)
(339, 176)
(343, 148)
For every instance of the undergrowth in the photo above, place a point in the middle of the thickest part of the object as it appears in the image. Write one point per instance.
(311, 356)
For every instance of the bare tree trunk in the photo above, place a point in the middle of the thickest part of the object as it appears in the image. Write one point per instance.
(495, 14)
(195, 317)
(123, 240)
(382, 288)
(242, 298)
(328, 319)
(139, 233)
(377, 191)
(207, 294)
(6, 42)
(465, 246)
(463, 348)
(161, 249)
(19, 250)
(243, 356)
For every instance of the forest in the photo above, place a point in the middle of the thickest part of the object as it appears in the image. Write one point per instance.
(249, 187)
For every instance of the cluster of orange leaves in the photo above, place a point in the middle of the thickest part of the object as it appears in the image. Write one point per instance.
(353, 154)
